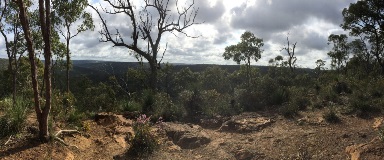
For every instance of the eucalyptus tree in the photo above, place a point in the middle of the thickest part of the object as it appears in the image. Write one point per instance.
(147, 24)
(67, 14)
(340, 50)
(10, 25)
(44, 8)
(365, 19)
(249, 48)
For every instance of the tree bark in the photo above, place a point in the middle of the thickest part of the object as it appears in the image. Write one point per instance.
(31, 55)
(45, 22)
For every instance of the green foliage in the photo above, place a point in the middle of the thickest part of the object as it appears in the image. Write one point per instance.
(13, 120)
(130, 105)
(165, 108)
(76, 117)
(59, 105)
(339, 53)
(248, 48)
(215, 78)
(331, 116)
(148, 100)
(361, 104)
(214, 104)
(100, 97)
(327, 93)
(144, 142)
(364, 19)
(298, 97)
(289, 110)
(192, 102)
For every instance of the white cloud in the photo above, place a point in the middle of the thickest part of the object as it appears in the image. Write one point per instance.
(309, 23)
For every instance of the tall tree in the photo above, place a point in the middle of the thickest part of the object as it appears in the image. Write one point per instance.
(45, 24)
(66, 14)
(148, 23)
(10, 24)
(248, 48)
(340, 50)
(365, 18)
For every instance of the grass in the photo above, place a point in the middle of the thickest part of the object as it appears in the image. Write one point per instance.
(13, 120)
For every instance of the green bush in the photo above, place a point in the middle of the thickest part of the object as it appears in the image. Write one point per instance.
(144, 142)
(214, 104)
(278, 97)
(75, 117)
(362, 104)
(192, 102)
(131, 106)
(148, 100)
(328, 94)
(331, 117)
(165, 108)
(298, 97)
(13, 120)
(289, 110)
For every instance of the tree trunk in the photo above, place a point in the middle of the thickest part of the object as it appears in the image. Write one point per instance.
(31, 54)
(153, 76)
(67, 104)
(249, 72)
(45, 23)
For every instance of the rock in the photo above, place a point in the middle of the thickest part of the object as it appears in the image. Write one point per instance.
(378, 123)
(373, 150)
(186, 136)
(245, 123)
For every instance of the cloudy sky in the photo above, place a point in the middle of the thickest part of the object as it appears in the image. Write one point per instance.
(307, 22)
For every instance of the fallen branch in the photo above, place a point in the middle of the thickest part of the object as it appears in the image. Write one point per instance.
(9, 139)
(56, 137)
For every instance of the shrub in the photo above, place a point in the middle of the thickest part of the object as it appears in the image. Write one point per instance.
(278, 97)
(298, 97)
(76, 117)
(289, 110)
(214, 103)
(328, 94)
(14, 117)
(362, 104)
(131, 106)
(148, 99)
(164, 107)
(331, 117)
(192, 101)
(143, 142)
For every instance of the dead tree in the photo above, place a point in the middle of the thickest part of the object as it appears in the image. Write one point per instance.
(291, 55)
(148, 24)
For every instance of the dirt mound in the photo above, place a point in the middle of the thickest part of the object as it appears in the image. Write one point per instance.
(246, 122)
(186, 136)
(109, 119)
(373, 150)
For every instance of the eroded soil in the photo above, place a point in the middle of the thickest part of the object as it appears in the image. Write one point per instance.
(305, 137)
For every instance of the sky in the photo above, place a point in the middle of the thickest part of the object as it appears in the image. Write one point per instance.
(307, 22)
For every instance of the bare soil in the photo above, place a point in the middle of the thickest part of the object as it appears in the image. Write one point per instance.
(306, 137)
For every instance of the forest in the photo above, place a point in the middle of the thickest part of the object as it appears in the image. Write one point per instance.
(39, 77)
